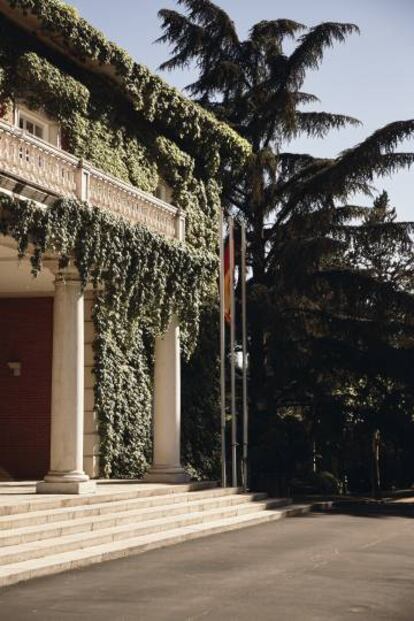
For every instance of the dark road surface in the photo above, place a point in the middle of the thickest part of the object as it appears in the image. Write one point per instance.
(315, 568)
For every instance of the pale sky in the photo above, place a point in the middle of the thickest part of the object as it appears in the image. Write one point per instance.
(370, 77)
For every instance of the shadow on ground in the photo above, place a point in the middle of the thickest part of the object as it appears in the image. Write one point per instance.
(367, 508)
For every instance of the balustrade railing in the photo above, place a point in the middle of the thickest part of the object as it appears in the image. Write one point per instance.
(37, 163)
(107, 192)
(45, 167)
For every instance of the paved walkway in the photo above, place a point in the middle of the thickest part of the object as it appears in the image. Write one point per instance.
(317, 568)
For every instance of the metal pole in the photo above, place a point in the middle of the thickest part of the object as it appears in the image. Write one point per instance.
(222, 357)
(244, 344)
(232, 358)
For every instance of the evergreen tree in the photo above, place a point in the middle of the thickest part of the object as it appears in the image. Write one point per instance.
(389, 258)
(321, 312)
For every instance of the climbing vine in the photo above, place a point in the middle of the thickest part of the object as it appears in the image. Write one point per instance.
(158, 102)
(141, 280)
(100, 128)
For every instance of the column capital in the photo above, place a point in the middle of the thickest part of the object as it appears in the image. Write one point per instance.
(70, 273)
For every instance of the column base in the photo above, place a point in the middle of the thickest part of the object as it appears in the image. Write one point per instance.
(166, 474)
(72, 484)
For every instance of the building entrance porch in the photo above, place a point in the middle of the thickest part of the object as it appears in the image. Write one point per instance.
(67, 387)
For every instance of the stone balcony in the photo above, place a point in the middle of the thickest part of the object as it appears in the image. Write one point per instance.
(42, 172)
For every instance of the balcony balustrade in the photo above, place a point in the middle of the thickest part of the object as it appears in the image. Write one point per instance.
(38, 165)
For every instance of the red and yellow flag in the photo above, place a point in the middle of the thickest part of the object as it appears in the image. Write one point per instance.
(228, 278)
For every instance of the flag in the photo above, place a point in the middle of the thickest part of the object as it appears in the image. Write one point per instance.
(228, 280)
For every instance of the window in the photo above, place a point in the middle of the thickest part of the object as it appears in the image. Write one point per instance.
(32, 127)
(38, 124)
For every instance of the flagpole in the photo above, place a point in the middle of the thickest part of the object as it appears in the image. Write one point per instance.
(222, 357)
(244, 344)
(232, 357)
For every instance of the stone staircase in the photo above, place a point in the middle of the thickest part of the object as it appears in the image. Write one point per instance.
(44, 535)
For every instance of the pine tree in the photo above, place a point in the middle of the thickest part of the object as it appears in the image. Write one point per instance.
(385, 247)
(320, 310)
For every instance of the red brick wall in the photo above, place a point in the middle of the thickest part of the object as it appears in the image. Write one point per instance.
(26, 337)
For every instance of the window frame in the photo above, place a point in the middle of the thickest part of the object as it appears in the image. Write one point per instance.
(51, 129)
(28, 117)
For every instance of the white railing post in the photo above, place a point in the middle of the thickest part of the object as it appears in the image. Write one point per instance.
(180, 226)
(83, 181)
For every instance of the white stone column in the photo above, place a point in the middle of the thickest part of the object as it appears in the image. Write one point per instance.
(166, 466)
(66, 475)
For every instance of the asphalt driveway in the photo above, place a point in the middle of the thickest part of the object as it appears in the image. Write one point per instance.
(321, 567)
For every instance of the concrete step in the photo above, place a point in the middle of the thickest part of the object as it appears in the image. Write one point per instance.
(57, 562)
(80, 540)
(115, 505)
(15, 535)
(46, 502)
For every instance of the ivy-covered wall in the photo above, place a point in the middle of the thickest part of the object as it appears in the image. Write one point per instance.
(98, 124)
(211, 141)
(143, 280)
(139, 133)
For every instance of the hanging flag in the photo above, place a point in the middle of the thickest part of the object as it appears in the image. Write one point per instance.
(228, 315)
(228, 280)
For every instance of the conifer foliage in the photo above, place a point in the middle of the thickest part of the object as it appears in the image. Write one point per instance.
(330, 294)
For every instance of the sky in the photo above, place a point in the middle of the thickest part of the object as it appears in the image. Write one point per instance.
(370, 77)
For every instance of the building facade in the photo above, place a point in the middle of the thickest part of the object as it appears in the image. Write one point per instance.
(109, 200)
